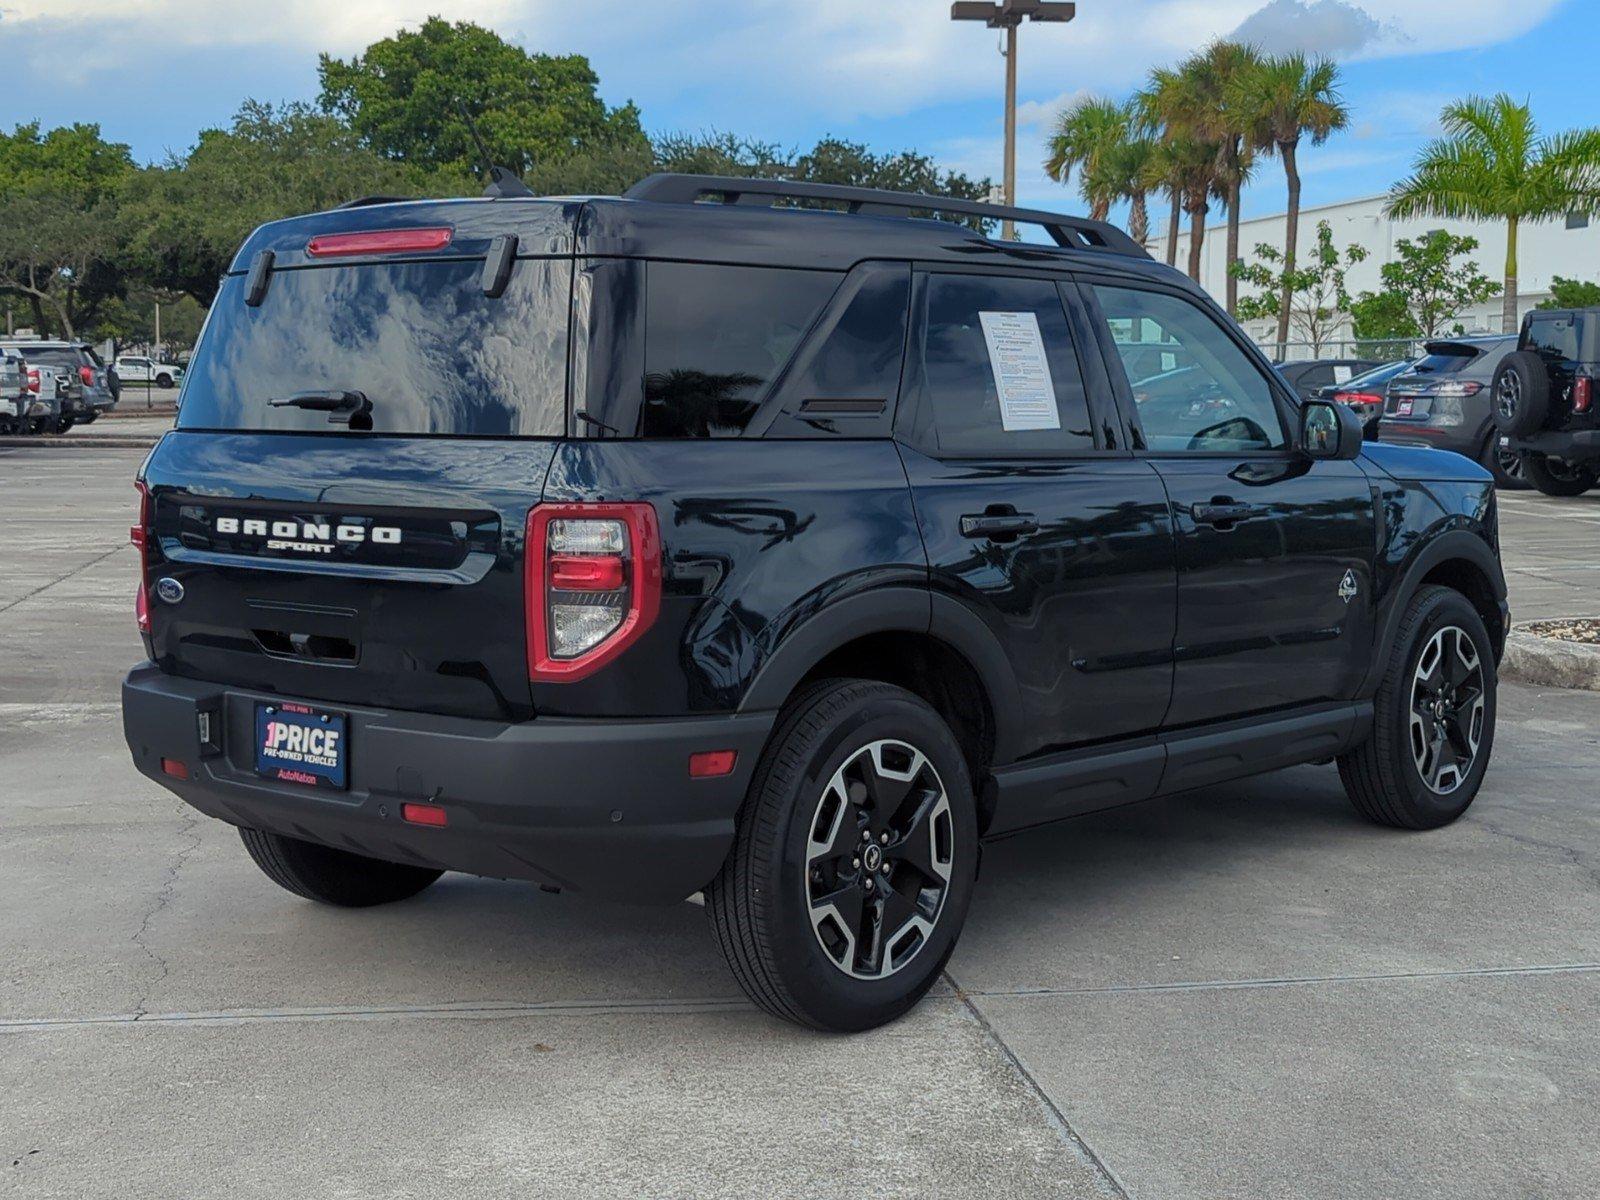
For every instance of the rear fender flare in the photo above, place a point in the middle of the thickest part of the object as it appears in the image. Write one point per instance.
(894, 610)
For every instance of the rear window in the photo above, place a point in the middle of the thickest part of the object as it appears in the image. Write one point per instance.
(60, 358)
(421, 341)
(1555, 339)
(1447, 361)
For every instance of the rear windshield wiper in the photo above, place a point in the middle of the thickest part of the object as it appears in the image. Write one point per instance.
(351, 407)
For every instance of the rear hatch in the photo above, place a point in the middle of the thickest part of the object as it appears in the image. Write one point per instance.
(1447, 370)
(362, 543)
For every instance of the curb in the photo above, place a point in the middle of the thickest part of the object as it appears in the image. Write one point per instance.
(1550, 662)
(67, 442)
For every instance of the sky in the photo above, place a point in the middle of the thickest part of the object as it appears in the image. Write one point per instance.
(891, 73)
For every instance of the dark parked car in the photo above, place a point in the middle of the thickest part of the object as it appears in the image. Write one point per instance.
(1545, 400)
(1443, 402)
(703, 541)
(1364, 394)
(1309, 378)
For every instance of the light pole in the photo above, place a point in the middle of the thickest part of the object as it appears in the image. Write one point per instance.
(1008, 15)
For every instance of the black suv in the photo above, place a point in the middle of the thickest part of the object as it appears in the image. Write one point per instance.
(777, 544)
(1544, 398)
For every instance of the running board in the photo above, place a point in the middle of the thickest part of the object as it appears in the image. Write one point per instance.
(1084, 781)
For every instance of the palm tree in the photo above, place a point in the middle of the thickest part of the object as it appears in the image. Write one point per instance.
(1084, 134)
(1227, 70)
(1284, 100)
(1123, 171)
(1494, 165)
(1180, 102)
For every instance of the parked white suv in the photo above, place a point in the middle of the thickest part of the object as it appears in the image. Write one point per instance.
(138, 368)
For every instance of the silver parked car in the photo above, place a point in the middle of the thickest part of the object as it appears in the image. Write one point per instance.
(77, 361)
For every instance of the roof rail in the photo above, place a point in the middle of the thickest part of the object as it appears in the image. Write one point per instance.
(1078, 233)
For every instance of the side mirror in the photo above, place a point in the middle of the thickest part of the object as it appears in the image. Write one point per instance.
(1329, 431)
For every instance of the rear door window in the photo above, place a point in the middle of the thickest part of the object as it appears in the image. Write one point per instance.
(715, 337)
(1554, 339)
(999, 371)
(421, 341)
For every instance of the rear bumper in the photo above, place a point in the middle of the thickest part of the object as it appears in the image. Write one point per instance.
(601, 807)
(1578, 444)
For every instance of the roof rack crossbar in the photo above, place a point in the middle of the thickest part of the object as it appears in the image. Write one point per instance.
(1078, 233)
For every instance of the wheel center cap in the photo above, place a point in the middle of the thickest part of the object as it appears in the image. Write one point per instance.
(872, 857)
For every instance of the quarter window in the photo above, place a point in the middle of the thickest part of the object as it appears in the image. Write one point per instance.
(715, 336)
(999, 372)
(1193, 387)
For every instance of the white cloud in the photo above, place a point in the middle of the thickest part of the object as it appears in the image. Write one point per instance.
(1332, 27)
(836, 60)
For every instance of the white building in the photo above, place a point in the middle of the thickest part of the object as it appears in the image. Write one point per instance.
(1569, 248)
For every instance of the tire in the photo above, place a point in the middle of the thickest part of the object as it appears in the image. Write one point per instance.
(88, 418)
(795, 920)
(1504, 465)
(1521, 393)
(1557, 477)
(163, 380)
(63, 424)
(331, 876)
(1388, 777)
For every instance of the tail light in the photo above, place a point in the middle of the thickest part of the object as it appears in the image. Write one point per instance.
(87, 375)
(1458, 388)
(1582, 393)
(1357, 398)
(378, 241)
(593, 585)
(33, 380)
(139, 535)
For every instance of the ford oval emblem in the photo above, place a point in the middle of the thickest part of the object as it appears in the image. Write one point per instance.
(169, 590)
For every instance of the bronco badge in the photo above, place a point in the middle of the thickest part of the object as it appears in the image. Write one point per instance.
(1348, 587)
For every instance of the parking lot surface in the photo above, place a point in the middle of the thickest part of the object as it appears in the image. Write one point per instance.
(1242, 992)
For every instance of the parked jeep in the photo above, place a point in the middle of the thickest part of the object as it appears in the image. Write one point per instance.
(1544, 400)
(771, 544)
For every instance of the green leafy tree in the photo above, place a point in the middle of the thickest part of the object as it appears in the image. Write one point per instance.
(1383, 324)
(1432, 285)
(60, 227)
(403, 99)
(1287, 99)
(1317, 296)
(1572, 293)
(1494, 164)
(188, 217)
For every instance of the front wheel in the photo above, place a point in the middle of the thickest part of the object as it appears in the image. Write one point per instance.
(1504, 465)
(331, 876)
(1556, 476)
(1433, 718)
(854, 861)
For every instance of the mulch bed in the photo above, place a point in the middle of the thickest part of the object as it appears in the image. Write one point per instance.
(1568, 629)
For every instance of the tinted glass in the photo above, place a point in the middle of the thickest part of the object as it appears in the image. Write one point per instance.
(1193, 387)
(847, 380)
(1316, 377)
(421, 341)
(1554, 339)
(1452, 360)
(715, 337)
(985, 333)
(61, 358)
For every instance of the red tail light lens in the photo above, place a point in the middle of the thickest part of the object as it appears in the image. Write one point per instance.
(33, 379)
(139, 535)
(1582, 394)
(378, 241)
(592, 585)
(87, 375)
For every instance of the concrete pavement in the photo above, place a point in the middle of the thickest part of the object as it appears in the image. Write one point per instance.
(1242, 992)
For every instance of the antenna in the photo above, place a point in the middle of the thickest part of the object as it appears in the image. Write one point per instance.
(502, 183)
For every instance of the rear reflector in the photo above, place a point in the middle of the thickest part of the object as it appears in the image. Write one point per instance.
(707, 764)
(424, 814)
(378, 241)
(178, 770)
(587, 573)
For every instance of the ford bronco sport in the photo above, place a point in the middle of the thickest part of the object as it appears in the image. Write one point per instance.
(773, 544)
(1545, 403)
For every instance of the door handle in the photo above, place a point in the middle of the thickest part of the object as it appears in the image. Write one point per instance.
(998, 527)
(1223, 514)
